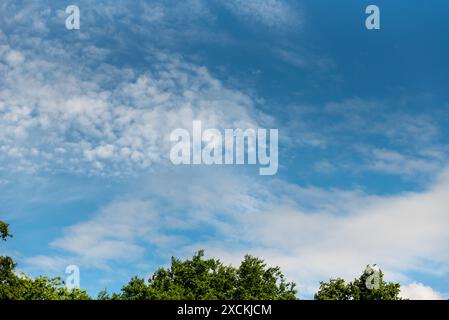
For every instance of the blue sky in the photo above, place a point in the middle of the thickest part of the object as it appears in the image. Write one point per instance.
(362, 115)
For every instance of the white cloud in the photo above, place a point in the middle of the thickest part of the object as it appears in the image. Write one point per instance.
(57, 94)
(46, 263)
(298, 58)
(418, 291)
(14, 58)
(324, 166)
(107, 129)
(117, 232)
(365, 135)
(393, 162)
(313, 234)
(272, 13)
(398, 233)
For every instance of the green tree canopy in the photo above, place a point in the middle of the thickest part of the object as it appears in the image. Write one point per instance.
(199, 279)
(369, 286)
(23, 287)
(4, 231)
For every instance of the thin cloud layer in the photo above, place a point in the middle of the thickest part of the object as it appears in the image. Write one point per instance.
(275, 14)
(402, 234)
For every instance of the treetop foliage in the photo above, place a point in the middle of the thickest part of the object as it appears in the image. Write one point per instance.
(209, 279)
(4, 231)
(338, 289)
(23, 287)
(197, 278)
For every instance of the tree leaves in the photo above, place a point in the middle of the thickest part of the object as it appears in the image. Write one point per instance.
(22, 287)
(4, 231)
(338, 289)
(196, 279)
(210, 279)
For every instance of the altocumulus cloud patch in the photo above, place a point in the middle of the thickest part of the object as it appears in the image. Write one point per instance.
(56, 117)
